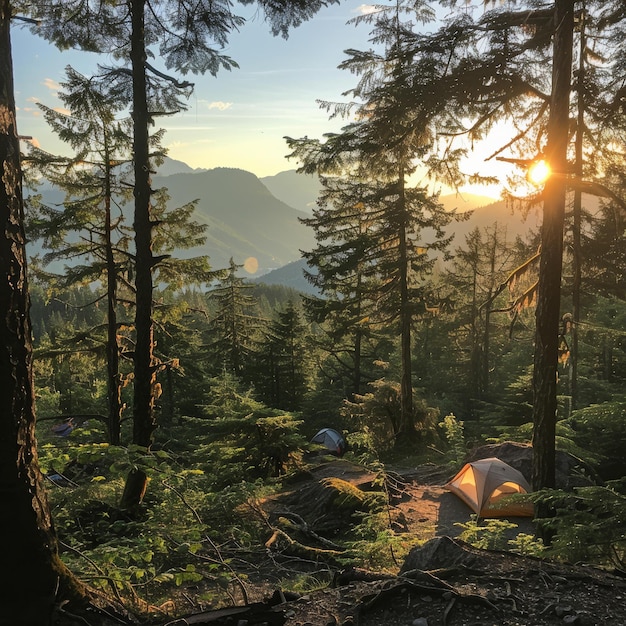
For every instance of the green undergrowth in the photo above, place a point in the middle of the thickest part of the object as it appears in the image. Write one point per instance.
(198, 541)
(499, 534)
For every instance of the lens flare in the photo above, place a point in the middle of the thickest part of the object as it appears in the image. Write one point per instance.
(251, 265)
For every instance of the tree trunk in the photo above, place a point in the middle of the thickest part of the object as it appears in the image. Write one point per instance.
(143, 404)
(550, 267)
(32, 571)
(144, 423)
(576, 235)
(356, 374)
(114, 383)
(134, 490)
(407, 424)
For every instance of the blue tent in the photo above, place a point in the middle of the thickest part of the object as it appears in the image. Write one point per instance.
(331, 439)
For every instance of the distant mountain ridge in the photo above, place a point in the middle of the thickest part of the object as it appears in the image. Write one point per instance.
(172, 166)
(245, 221)
(256, 221)
(297, 190)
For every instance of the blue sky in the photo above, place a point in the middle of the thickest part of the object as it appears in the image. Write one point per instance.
(237, 119)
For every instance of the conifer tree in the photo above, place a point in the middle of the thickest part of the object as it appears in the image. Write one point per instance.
(235, 325)
(282, 362)
(339, 270)
(478, 269)
(88, 230)
(37, 577)
(389, 142)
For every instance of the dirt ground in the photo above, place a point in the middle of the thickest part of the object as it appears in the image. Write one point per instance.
(430, 510)
(445, 583)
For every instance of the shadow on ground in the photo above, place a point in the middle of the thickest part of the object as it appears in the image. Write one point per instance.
(453, 511)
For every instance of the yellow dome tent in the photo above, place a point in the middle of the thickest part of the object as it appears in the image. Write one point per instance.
(484, 484)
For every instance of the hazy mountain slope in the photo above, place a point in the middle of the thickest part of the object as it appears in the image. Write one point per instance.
(290, 275)
(301, 191)
(245, 220)
(172, 166)
(297, 190)
(482, 217)
(496, 212)
(465, 201)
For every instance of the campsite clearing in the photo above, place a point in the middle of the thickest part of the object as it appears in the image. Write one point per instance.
(445, 583)
(464, 586)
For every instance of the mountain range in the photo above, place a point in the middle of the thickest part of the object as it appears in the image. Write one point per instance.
(251, 217)
(256, 221)
(245, 221)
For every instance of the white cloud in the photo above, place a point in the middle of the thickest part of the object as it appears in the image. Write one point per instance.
(222, 106)
(52, 85)
(365, 9)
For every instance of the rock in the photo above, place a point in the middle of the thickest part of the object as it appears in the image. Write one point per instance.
(438, 553)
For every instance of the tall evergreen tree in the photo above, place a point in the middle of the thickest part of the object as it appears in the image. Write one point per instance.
(235, 325)
(282, 362)
(389, 142)
(37, 576)
(339, 270)
(477, 271)
(88, 230)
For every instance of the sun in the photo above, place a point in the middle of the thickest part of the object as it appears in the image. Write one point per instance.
(539, 172)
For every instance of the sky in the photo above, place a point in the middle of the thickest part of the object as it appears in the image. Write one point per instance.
(237, 119)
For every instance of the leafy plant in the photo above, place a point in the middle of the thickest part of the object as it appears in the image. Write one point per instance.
(455, 436)
(379, 411)
(600, 430)
(488, 534)
(527, 545)
(376, 546)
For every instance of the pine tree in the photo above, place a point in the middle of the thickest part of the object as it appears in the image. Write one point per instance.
(339, 270)
(389, 142)
(234, 327)
(282, 362)
(88, 230)
(37, 576)
(478, 270)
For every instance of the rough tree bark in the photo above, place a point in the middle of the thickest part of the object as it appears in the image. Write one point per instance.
(144, 421)
(144, 367)
(551, 262)
(32, 573)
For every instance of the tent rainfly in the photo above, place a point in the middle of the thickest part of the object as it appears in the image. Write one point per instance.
(331, 439)
(484, 484)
